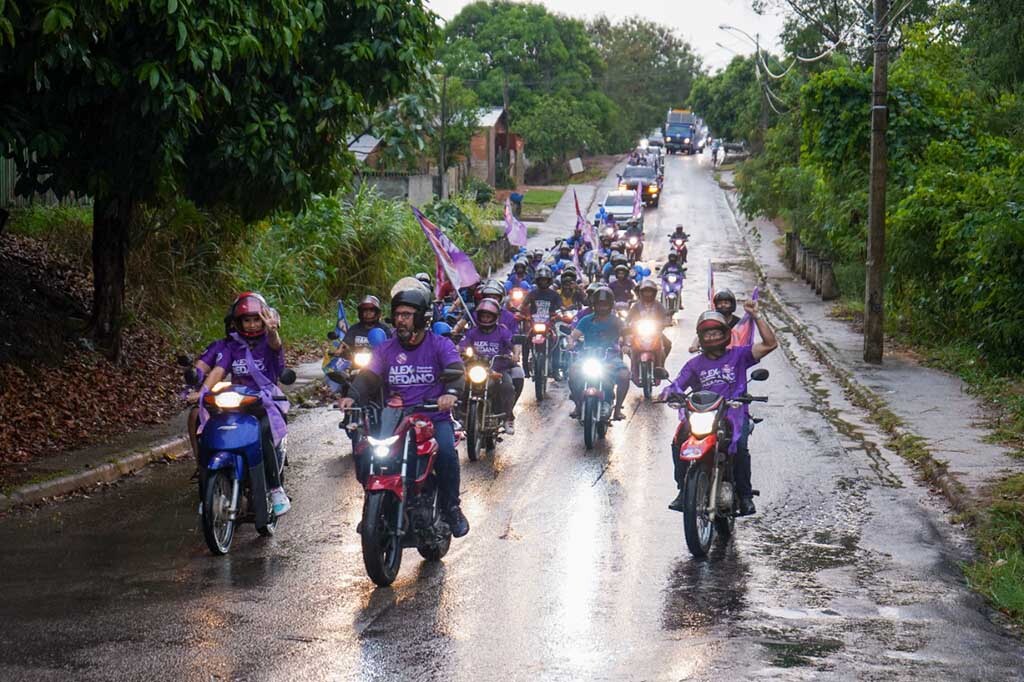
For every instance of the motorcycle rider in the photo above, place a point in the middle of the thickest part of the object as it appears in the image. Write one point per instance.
(571, 295)
(647, 305)
(255, 359)
(679, 233)
(206, 361)
(543, 301)
(519, 277)
(634, 231)
(369, 318)
(622, 286)
(722, 370)
(489, 338)
(411, 365)
(492, 289)
(614, 260)
(725, 303)
(600, 330)
(673, 267)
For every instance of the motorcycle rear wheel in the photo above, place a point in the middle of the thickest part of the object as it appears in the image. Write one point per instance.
(698, 529)
(474, 430)
(540, 376)
(382, 549)
(218, 529)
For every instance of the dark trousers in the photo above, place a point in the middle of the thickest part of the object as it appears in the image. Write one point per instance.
(447, 466)
(271, 465)
(740, 461)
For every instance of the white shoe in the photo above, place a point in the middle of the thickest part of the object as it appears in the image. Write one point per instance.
(280, 501)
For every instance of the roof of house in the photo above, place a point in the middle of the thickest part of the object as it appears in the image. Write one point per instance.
(488, 118)
(363, 146)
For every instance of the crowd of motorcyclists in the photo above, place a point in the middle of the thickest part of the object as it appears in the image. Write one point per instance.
(571, 300)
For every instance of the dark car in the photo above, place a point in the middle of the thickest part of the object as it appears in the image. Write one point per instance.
(649, 180)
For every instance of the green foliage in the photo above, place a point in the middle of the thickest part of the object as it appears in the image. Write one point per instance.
(999, 575)
(555, 129)
(481, 192)
(730, 101)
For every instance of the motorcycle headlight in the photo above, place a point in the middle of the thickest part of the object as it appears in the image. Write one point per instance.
(382, 447)
(517, 295)
(647, 327)
(672, 279)
(632, 241)
(230, 399)
(478, 374)
(702, 423)
(540, 327)
(679, 242)
(592, 368)
(362, 358)
(668, 139)
(469, 352)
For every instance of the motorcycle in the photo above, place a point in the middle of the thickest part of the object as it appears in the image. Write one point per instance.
(400, 507)
(644, 349)
(563, 322)
(634, 245)
(671, 290)
(679, 244)
(341, 371)
(542, 348)
(483, 424)
(232, 483)
(598, 392)
(711, 504)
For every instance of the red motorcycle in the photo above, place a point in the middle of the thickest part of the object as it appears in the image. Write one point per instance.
(645, 350)
(634, 247)
(679, 244)
(400, 507)
(711, 504)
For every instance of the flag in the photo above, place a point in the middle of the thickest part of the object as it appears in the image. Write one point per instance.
(333, 362)
(576, 258)
(711, 286)
(638, 201)
(515, 230)
(586, 228)
(454, 268)
(743, 332)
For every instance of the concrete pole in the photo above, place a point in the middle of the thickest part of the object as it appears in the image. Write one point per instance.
(874, 285)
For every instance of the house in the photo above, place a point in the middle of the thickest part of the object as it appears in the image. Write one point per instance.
(366, 148)
(494, 152)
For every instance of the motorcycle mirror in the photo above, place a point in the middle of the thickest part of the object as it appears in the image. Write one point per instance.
(184, 360)
(451, 375)
(287, 377)
(759, 375)
(332, 335)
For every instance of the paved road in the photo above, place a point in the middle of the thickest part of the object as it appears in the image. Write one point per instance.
(574, 568)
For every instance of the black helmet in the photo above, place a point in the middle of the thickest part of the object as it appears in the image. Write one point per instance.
(519, 264)
(725, 295)
(414, 298)
(602, 294)
(621, 267)
(618, 259)
(543, 272)
(673, 257)
(648, 285)
(568, 275)
(713, 320)
(491, 288)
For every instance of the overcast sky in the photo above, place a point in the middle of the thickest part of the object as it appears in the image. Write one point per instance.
(696, 21)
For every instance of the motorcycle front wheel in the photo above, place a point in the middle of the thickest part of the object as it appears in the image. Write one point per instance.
(697, 527)
(590, 416)
(647, 378)
(474, 430)
(382, 548)
(540, 375)
(218, 528)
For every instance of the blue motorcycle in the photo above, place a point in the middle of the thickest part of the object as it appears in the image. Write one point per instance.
(232, 482)
(671, 290)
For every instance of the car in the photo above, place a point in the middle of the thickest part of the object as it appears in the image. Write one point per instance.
(649, 180)
(656, 139)
(618, 204)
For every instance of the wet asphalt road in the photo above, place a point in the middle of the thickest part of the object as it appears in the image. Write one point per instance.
(574, 568)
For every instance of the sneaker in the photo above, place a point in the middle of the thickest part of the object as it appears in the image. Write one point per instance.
(677, 504)
(457, 522)
(747, 506)
(617, 415)
(510, 428)
(280, 501)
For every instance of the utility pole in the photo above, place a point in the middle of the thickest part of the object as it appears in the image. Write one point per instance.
(874, 285)
(442, 162)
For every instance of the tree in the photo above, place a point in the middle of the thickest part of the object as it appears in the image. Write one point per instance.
(649, 70)
(730, 101)
(239, 102)
(555, 129)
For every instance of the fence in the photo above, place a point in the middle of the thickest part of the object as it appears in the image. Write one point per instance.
(8, 199)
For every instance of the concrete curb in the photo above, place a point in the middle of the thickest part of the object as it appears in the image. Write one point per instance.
(116, 469)
(932, 470)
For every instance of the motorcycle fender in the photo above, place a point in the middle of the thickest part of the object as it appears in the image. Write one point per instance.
(539, 340)
(592, 391)
(226, 460)
(230, 431)
(426, 449)
(391, 483)
(646, 357)
(695, 448)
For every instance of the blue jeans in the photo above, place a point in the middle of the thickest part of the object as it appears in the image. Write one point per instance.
(447, 466)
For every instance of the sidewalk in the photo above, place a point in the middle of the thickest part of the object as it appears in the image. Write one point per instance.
(933, 407)
(100, 464)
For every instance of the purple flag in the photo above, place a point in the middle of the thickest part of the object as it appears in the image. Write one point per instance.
(454, 268)
(584, 225)
(638, 202)
(515, 231)
(743, 332)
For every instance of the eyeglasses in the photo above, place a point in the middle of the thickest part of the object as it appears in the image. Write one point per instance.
(403, 316)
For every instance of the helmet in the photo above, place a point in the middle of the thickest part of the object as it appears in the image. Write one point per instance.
(709, 320)
(247, 303)
(726, 295)
(602, 294)
(537, 253)
(426, 279)
(618, 259)
(491, 288)
(519, 264)
(679, 227)
(673, 257)
(648, 285)
(568, 275)
(543, 272)
(414, 298)
(621, 267)
(369, 302)
(488, 306)
(564, 245)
